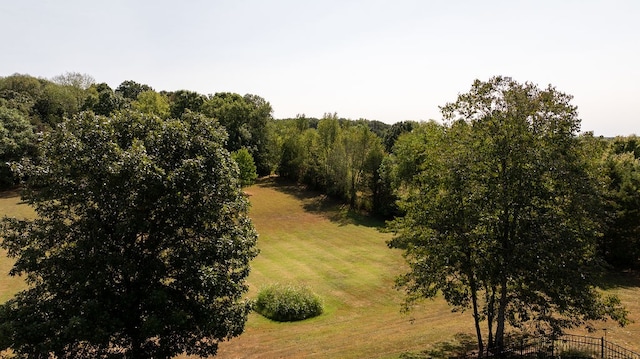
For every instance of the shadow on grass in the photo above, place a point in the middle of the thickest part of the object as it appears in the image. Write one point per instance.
(319, 203)
(620, 279)
(459, 347)
(10, 193)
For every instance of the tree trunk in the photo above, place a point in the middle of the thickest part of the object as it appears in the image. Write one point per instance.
(352, 192)
(491, 301)
(499, 344)
(476, 315)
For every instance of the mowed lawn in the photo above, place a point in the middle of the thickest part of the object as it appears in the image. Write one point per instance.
(10, 206)
(306, 239)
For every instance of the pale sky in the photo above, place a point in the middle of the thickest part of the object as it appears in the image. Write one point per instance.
(380, 60)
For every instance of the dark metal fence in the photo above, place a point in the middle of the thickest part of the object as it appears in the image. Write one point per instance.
(589, 347)
(566, 346)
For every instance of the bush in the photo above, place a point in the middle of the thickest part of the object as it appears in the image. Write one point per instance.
(288, 303)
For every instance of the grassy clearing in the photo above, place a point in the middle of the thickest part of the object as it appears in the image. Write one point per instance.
(10, 206)
(627, 287)
(307, 240)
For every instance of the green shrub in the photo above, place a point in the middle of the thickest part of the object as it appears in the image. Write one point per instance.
(246, 165)
(288, 303)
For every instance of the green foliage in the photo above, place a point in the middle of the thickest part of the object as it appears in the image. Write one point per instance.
(293, 152)
(24, 84)
(182, 100)
(503, 211)
(246, 119)
(57, 102)
(43, 102)
(141, 246)
(16, 141)
(130, 90)
(621, 243)
(152, 103)
(246, 166)
(630, 144)
(397, 129)
(340, 158)
(102, 100)
(286, 303)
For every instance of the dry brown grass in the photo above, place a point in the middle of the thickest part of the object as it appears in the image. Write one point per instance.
(10, 206)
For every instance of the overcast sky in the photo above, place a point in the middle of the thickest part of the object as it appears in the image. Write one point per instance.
(380, 60)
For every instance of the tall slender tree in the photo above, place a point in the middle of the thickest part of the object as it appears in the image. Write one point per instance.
(503, 216)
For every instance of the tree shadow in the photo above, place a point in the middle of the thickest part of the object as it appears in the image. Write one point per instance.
(319, 203)
(620, 279)
(459, 347)
(10, 193)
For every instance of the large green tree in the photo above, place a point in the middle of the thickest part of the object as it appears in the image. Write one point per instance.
(363, 156)
(130, 89)
(17, 140)
(182, 100)
(57, 102)
(502, 215)
(141, 246)
(102, 100)
(245, 119)
(621, 242)
(153, 103)
(292, 149)
(246, 165)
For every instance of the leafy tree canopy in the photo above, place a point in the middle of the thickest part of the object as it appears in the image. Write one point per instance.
(246, 166)
(16, 140)
(621, 243)
(246, 119)
(152, 103)
(102, 100)
(182, 100)
(142, 243)
(130, 89)
(503, 214)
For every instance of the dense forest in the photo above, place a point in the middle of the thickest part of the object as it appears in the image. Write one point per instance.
(505, 207)
(362, 162)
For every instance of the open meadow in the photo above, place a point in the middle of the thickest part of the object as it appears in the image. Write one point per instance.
(307, 239)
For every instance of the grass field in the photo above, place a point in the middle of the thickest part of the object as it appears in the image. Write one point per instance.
(11, 206)
(305, 239)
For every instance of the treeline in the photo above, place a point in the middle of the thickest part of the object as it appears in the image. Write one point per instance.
(30, 105)
(361, 162)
